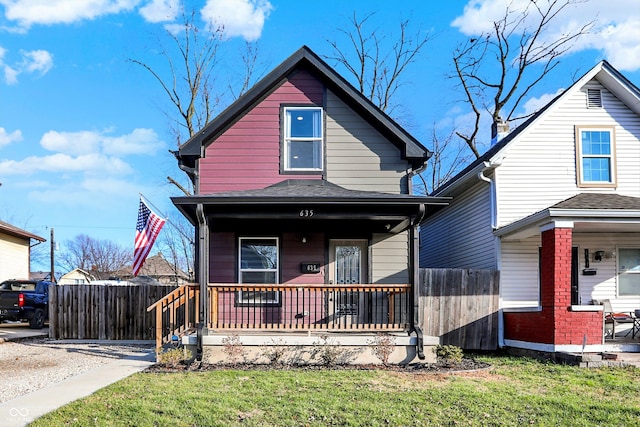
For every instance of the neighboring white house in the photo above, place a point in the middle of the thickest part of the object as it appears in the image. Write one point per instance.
(15, 251)
(76, 276)
(572, 170)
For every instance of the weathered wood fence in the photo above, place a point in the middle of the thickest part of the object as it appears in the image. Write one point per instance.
(103, 312)
(460, 306)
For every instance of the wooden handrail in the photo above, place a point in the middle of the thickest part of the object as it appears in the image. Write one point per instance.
(173, 294)
(287, 286)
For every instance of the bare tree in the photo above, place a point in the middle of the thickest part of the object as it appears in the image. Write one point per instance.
(498, 69)
(176, 240)
(101, 257)
(377, 67)
(188, 79)
(448, 156)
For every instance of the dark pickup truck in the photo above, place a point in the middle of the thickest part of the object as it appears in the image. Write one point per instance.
(25, 300)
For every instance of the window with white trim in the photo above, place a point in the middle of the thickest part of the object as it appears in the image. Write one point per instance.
(628, 272)
(303, 139)
(258, 264)
(596, 163)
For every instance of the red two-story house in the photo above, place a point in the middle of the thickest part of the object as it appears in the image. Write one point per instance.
(305, 220)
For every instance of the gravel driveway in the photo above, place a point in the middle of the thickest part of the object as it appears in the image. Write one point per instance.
(32, 364)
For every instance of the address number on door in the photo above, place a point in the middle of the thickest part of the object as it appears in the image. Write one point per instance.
(306, 213)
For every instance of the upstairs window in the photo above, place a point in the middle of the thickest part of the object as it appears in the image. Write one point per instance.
(596, 157)
(303, 139)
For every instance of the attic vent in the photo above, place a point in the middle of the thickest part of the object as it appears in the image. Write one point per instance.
(594, 98)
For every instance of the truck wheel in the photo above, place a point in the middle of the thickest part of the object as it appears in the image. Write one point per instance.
(37, 321)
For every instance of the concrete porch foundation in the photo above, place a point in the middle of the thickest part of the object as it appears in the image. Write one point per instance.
(311, 348)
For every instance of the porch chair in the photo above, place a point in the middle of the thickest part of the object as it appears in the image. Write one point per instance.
(614, 318)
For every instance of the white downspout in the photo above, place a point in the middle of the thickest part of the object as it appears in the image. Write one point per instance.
(494, 224)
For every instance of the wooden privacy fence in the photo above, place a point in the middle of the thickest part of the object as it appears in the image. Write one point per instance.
(460, 306)
(105, 312)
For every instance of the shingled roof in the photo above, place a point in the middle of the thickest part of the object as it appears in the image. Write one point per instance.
(599, 201)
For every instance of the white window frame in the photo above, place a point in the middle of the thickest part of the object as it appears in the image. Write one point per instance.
(241, 297)
(287, 139)
(611, 156)
(624, 270)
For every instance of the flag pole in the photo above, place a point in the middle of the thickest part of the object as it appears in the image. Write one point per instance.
(166, 218)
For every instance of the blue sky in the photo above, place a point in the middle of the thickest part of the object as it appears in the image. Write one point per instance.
(83, 130)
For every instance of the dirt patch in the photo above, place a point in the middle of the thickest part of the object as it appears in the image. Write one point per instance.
(466, 365)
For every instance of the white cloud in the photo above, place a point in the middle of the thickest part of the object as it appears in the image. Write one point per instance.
(48, 12)
(72, 143)
(160, 10)
(37, 61)
(33, 61)
(63, 163)
(244, 18)
(534, 104)
(7, 138)
(615, 31)
(139, 141)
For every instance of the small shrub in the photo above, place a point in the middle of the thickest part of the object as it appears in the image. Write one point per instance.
(382, 345)
(233, 348)
(174, 357)
(327, 351)
(449, 354)
(274, 351)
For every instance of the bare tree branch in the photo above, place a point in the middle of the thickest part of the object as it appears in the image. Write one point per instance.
(505, 64)
(376, 65)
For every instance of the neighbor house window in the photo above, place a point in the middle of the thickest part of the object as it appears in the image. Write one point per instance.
(258, 264)
(596, 156)
(628, 272)
(302, 139)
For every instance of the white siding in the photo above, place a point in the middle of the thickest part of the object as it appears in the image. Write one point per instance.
(389, 258)
(14, 257)
(539, 168)
(519, 274)
(358, 156)
(460, 236)
(604, 285)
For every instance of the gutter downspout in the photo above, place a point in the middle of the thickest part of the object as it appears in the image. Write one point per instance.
(203, 276)
(414, 237)
(494, 224)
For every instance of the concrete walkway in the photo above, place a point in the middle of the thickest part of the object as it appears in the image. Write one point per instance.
(23, 410)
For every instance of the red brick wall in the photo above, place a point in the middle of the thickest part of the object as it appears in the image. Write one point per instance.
(556, 323)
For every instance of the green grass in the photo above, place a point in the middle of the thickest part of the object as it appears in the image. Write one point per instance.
(516, 392)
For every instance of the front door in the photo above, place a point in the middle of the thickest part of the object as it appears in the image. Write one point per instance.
(347, 266)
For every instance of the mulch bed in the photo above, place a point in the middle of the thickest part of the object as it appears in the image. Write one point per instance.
(465, 365)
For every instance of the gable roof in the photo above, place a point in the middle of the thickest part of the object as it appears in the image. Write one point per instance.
(411, 149)
(7, 228)
(604, 72)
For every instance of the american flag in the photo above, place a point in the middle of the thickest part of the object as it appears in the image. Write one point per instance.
(147, 229)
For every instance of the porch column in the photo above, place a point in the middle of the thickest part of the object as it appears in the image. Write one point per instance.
(555, 280)
(202, 265)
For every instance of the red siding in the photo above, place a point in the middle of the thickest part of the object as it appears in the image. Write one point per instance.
(247, 156)
(556, 323)
(222, 259)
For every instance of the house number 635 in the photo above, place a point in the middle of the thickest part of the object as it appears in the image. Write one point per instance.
(306, 213)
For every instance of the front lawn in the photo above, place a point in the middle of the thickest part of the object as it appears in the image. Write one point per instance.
(515, 392)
